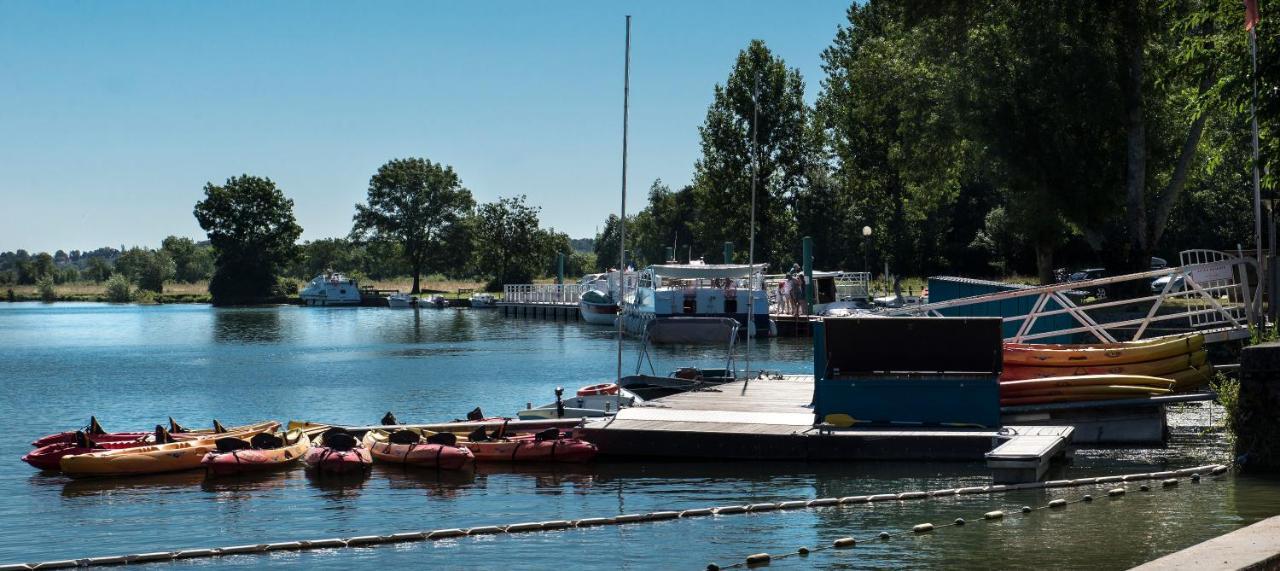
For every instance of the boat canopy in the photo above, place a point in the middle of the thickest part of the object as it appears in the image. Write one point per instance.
(705, 271)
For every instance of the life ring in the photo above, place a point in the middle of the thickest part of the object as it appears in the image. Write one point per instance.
(600, 389)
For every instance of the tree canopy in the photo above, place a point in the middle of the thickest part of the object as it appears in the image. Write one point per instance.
(254, 235)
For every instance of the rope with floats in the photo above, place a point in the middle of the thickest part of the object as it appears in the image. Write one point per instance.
(1168, 478)
(850, 542)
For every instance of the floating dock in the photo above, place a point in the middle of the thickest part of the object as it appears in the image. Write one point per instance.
(559, 311)
(771, 419)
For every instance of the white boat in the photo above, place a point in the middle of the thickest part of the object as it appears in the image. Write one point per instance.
(590, 402)
(673, 292)
(483, 300)
(598, 303)
(433, 300)
(402, 300)
(331, 288)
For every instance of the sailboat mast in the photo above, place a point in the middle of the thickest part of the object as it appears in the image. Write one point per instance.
(622, 220)
(751, 248)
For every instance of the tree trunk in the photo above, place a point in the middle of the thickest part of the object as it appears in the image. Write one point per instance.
(1131, 80)
(1164, 206)
(417, 271)
(1044, 261)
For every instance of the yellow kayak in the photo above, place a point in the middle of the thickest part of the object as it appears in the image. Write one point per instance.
(157, 458)
(1192, 378)
(1087, 382)
(1158, 368)
(1102, 355)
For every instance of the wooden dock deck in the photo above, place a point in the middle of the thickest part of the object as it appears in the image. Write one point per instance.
(770, 419)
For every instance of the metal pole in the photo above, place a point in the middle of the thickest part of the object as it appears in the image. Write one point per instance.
(622, 220)
(751, 248)
(1257, 187)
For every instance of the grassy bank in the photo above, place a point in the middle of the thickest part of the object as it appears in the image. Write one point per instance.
(198, 292)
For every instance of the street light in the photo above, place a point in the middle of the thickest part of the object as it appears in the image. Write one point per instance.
(866, 242)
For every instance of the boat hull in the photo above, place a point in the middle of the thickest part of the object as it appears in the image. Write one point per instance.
(245, 461)
(598, 313)
(331, 461)
(425, 455)
(567, 450)
(50, 457)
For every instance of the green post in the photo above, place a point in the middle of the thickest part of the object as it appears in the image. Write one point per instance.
(671, 254)
(728, 252)
(560, 268)
(808, 271)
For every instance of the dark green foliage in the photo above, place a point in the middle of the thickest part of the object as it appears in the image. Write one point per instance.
(421, 206)
(509, 242)
(253, 232)
(192, 262)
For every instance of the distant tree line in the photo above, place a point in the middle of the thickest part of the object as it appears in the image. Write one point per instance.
(982, 138)
(178, 260)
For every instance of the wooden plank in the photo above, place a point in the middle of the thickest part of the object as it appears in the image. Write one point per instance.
(804, 420)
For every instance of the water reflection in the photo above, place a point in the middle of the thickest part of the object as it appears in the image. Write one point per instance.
(247, 325)
(241, 486)
(147, 485)
(447, 484)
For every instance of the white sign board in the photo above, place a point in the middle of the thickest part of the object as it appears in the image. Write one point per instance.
(1212, 274)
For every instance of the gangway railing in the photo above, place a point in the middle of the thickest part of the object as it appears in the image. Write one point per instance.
(1212, 294)
(542, 293)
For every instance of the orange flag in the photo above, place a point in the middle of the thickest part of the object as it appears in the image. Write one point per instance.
(1251, 17)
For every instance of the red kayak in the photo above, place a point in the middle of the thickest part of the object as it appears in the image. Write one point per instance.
(263, 451)
(338, 452)
(542, 447)
(47, 457)
(93, 431)
(414, 448)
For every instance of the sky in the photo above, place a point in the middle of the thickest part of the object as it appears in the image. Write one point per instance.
(114, 115)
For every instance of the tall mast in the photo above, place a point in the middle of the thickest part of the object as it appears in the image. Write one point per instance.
(622, 220)
(751, 248)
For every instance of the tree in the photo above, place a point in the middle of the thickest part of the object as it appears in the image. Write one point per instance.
(98, 269)
(508, 241)
(722, 176)
(416, 203)
(191, 261)
(251, 226)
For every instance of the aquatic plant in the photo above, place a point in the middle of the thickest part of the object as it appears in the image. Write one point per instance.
(45, 286)
(1228, 391)
(119, 289)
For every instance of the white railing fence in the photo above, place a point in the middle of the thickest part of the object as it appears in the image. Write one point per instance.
(1210, 292)
(541, 293)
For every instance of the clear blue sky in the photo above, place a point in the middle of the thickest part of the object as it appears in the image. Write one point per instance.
(113, 115)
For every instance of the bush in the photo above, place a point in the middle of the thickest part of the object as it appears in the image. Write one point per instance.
(45, 286)
(119, 289)
(286, 286)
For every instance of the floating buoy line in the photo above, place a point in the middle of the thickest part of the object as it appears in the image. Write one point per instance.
(1168, 478)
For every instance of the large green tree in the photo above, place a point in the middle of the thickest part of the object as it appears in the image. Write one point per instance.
(509, 244)
(418, 204)
(192, 262)
(775, 117)
(251, 226)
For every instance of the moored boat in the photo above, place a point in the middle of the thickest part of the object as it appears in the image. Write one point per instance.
(337, 451)
(550, 445)
(677, 303)
(165, 456)
(597, 307)
(483, 300)
(48, 457)
(331, 288)
(418, 447)
(262, 451)
(99, 436)
(402, 300)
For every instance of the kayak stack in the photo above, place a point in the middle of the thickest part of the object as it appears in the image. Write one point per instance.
(1125, 369)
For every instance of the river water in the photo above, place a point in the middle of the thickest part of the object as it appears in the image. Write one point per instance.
(133, 366)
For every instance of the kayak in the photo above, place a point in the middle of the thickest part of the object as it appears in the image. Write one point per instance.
(336, 451)
(417, 447)
(532, 448)
(1084, 381)
(1157, 368)
(153, 458)
(1192, 378)
(264, 451)
(1016, 401)
(1090, 390)
(1101, 354)
(100, 436)
(48, 457)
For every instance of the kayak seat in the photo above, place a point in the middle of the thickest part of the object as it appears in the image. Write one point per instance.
(217, 427)
(478, 435)
(340, 441)
(162, 435)
(225, 445)
(475, 414)
(94, 427)
(404, 437)
(175, 428)
(444, 438)
(266, 441)
(389, 419)
(548, 434)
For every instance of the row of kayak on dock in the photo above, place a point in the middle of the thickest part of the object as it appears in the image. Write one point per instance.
(92, 451)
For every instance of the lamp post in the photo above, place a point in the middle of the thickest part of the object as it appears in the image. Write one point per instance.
(866, 244)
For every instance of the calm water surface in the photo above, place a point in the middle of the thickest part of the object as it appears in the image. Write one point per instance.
(133, 366)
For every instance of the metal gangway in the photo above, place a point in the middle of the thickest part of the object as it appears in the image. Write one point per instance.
(1210, 292)
(542, 293)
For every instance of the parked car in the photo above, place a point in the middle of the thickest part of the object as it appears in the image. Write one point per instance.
(1087, 274)
(1179, 283)
(1159, 263)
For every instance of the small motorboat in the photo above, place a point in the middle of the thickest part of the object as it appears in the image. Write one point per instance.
(550, 445)
(337, 451)
(591, 401)
(402, 301)
(262, 451)
(483, 300)
(165, 455)
(683, 380)
(434, 300)
(418, 447)
(598, 307)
